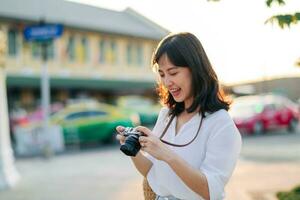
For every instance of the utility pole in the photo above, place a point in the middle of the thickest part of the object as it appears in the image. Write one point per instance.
(45, 95)
(44, 34)
(8, 173)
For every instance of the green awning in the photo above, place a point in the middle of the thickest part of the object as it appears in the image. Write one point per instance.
(76, 83)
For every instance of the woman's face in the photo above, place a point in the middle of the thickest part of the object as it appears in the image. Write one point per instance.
(178, 80)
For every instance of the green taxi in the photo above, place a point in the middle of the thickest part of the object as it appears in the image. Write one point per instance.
(147, 110)
(91, 122)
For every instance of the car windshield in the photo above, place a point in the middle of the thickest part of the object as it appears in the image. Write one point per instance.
(246, 109)
(137, 102)
(85, 114)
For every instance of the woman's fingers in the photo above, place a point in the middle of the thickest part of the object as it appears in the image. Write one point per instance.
(120, 129)
(146, 134)
(121, 138)
(147, 141)
(144, 130)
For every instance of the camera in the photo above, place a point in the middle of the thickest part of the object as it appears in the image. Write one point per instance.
(131, 145)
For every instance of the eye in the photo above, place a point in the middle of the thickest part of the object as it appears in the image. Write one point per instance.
(161, 75)
(173, 73)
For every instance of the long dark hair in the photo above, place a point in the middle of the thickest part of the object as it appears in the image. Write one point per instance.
(185, 50)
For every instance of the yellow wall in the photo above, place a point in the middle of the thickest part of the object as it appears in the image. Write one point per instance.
(24, 63)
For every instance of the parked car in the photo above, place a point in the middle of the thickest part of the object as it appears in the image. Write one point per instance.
(23, 118)
(147, 110)
(91, 122)
(259, 113)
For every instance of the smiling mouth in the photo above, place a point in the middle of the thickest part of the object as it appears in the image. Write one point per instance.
(175, 92)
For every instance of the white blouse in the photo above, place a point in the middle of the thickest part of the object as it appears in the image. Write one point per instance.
(214, 152)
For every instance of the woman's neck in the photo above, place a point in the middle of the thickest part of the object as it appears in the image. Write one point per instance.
(188, 103)
(186, 113)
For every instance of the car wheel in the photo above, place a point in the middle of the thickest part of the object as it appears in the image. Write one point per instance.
(258, 128)
(292, 125)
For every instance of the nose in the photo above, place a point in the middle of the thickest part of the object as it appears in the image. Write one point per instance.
(167, 81)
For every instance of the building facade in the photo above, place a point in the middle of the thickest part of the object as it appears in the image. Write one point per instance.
(102, 53)
(285, 86)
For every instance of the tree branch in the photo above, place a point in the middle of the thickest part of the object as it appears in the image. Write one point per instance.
(284, 20)
(270, 2)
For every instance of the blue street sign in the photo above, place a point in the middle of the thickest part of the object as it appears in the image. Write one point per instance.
(43, 32)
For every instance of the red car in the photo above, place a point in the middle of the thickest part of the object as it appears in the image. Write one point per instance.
(257, 114)
(25, 119)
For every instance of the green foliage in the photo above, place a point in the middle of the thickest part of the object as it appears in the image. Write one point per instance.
(294, 194)
(269, 2)
(284, 20)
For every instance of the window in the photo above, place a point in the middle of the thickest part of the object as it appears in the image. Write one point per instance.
(36, 50)
(129, 54)
(85, 49)
(270, 107)
(102, 51)
(81, 49)
(12, 43)
(71, 48)
(140, 55)
(114, 52)
(50, 50)
(108, 52)
(85, 114)
(135, 54)
(96, 113)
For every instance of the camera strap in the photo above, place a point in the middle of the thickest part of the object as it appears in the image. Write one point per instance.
(179, 145)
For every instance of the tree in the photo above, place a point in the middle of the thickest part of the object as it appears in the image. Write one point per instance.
(283, 20)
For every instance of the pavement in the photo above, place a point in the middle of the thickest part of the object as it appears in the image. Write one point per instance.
(250, 181)
(268, 164)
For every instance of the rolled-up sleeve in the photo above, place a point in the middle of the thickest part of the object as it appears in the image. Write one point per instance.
(222, 151)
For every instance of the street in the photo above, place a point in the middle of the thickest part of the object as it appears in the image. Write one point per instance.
(268, 164)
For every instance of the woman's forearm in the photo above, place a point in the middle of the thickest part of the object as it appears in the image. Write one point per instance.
(193, 178)
(142, 164)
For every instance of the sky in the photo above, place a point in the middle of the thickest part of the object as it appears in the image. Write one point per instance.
(240, 46)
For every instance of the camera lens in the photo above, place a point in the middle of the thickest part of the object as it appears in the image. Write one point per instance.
(131, 146)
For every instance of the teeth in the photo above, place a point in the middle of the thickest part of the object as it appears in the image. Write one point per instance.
(174, 90)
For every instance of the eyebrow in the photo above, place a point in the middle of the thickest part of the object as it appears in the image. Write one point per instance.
(171, 68)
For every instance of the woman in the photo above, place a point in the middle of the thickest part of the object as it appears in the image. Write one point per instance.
(199, 144)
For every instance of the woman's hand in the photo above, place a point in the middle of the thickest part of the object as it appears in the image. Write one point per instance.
(152, 145)
(120, 135)
(141, 163)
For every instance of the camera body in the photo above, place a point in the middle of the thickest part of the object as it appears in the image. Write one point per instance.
(131, 145)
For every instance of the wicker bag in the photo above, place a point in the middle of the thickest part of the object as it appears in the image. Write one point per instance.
(148, 193)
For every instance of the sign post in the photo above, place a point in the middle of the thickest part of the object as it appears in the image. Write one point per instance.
(44, 33)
